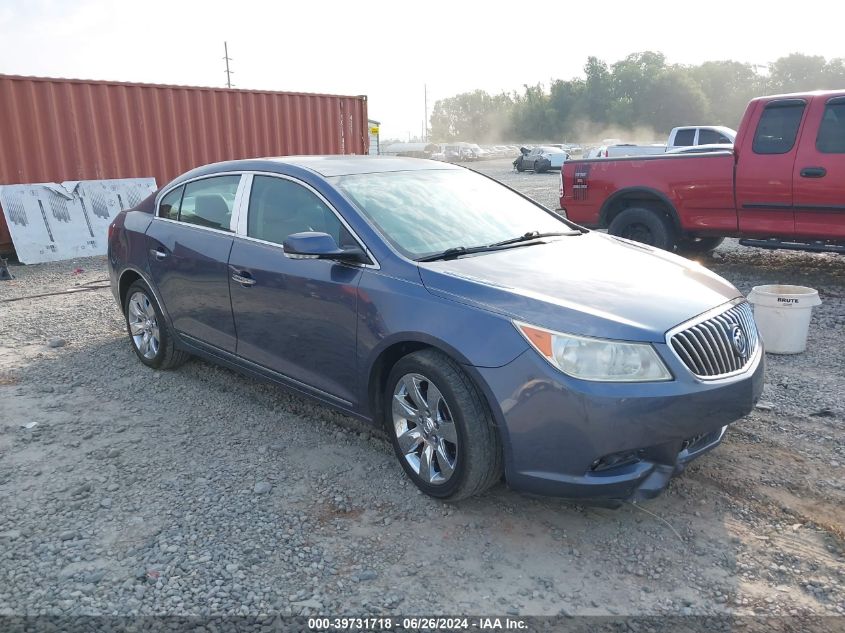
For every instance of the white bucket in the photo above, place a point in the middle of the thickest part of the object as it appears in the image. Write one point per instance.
(783, 316)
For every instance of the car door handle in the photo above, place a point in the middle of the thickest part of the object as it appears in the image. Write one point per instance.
(158, 253)
(244, 279)
(813, 172)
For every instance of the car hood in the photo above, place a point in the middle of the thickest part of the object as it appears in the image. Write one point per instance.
(593, 285)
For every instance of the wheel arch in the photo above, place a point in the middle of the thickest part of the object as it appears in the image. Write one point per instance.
(129, 276)
(638, 197)
(390, 352)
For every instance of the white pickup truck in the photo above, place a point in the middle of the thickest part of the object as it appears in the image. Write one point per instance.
(700, 135)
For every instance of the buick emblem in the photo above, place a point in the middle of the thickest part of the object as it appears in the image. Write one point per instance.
(738, 340)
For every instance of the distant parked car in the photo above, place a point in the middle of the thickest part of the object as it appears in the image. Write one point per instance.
(456, 154)
(634, 149)
(702, 149)
(440, 154)
(476, 152)
(700, 135)
(541, 159)
(485, 334)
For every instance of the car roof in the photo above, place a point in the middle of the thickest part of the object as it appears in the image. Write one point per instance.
(342, 165)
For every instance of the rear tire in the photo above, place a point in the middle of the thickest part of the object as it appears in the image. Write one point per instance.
(645, 226)
(699, 245)
(441, 427)
(149, 334)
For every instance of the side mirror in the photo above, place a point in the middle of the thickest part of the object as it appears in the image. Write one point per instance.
(313, 245)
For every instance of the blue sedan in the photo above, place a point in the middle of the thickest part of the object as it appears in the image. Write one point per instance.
(486, 334)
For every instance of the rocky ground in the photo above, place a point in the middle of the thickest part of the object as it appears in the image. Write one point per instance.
(198, 491)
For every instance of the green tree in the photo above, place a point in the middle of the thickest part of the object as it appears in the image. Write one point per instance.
(598, 90)
(728, 86)
(798, 72)
(641, 90)
(674, 99)
(566, 101)
(633, 80)
(470, 116)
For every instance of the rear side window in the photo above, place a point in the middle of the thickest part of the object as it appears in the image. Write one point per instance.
(169, 207)
(778, 127)
(280, 207)
(709, 137)
(209, 202)
(684, 138)
(831, 138)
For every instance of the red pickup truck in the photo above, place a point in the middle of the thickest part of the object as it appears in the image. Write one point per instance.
(782, 186)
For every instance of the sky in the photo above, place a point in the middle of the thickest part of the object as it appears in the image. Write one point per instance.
(390, 50)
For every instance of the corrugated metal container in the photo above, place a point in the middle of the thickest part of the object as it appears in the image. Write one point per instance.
(53, 130)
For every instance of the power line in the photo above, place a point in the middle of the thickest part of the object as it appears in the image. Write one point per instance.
(226, 57)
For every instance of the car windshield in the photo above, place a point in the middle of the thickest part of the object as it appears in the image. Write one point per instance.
(425, 212)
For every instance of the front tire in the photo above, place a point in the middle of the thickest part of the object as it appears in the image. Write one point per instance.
(541, 167)
(645, 226)
(149, 334)
(441, 428)
(520, 165)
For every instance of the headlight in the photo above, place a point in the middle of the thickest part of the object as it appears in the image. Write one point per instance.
(595, 358)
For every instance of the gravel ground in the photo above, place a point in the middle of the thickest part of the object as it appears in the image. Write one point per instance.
(128, 491)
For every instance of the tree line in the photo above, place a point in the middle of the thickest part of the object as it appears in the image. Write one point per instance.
(640, 95)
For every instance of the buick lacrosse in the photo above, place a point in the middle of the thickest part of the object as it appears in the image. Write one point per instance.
(487, 335)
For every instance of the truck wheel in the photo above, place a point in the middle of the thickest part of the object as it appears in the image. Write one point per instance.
(699, 245)
(520, 165)
(644, 225)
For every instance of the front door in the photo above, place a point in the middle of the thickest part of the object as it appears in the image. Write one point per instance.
(820, 173)
(294, 316)
(188, 245)
(764, 196)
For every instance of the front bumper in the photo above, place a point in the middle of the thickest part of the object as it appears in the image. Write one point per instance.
(578, 439)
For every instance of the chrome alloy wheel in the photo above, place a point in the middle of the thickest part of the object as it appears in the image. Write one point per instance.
(143, 325)
(425, 429)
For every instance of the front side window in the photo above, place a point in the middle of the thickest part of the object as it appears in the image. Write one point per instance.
(831, 138)
(683, 138)
(424, 212)
(169, 207)
(209, 202)
(710, 137)
(778, 127)
(279, 207)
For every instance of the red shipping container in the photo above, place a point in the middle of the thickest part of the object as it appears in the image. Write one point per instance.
(53, 130)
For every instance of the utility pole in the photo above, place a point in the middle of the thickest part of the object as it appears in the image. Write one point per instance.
(227, 59)
(425, 96)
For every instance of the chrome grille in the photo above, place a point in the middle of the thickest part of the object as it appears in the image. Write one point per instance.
(714, 347)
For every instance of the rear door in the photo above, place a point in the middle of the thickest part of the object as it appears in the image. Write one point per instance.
(188, 245)
(294, 316)
(764, 194)
(819, 174)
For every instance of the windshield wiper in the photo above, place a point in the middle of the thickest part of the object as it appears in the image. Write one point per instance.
(531, 235)
(451, 253)
(457, 251)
